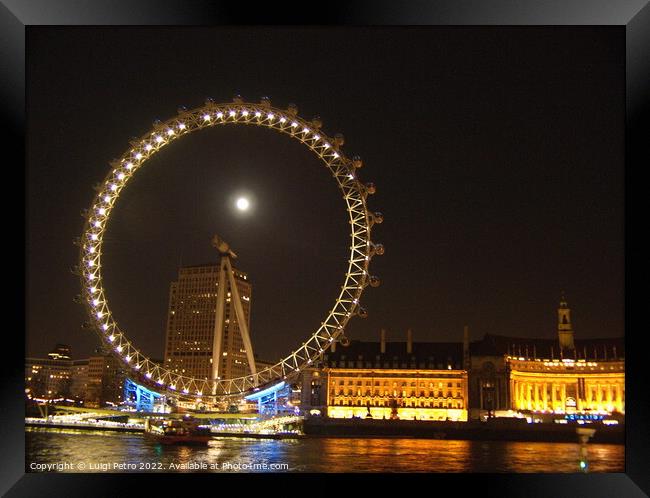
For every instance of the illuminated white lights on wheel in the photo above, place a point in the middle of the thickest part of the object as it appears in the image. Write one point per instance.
(354, 195)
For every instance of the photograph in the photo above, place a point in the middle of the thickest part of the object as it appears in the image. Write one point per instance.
(325, 249)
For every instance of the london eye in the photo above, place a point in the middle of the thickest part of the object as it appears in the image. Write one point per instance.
(354, 192)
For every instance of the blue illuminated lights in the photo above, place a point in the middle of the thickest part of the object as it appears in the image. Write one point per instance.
(583, 416)
(267, 399)
(144, 399)
(265, 392)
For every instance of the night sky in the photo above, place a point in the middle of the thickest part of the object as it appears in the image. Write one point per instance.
(497, 155)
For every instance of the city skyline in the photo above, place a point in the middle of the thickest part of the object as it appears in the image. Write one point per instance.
(479, 230)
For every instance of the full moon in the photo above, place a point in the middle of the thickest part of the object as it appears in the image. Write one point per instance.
(242, 204)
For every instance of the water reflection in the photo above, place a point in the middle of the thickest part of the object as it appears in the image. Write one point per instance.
(314, 454)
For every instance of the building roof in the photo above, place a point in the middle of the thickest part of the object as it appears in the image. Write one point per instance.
(432, 354)
(598, 348)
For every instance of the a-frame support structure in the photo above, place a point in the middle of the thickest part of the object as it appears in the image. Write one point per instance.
(226, 275)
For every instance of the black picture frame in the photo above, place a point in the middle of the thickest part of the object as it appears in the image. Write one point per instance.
(16, 16)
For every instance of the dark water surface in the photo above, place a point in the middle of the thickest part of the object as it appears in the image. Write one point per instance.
(67, 450)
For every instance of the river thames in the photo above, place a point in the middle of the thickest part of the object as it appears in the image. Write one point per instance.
(67, 450)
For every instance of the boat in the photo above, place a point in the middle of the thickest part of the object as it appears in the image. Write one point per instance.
(177, 431)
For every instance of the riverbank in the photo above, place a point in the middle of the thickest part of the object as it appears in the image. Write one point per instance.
(84, 426)
(493, 430)
(138, 429)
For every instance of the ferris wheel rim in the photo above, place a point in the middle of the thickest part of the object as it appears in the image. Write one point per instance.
(211, 114)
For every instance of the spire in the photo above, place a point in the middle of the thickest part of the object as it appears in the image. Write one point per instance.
(564, 328)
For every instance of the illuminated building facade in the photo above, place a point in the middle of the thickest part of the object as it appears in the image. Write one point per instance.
(57, 377)
(563, 375)
(405, 380)
(567, 385)
(105, 381)
(49, 378)
(191, 324)
(78, 379)
(46, 378)
(569, 376)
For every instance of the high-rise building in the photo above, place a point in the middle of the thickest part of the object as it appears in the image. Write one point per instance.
(191, 324)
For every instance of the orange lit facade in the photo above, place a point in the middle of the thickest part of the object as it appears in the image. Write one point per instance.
(566, 386)
(569, 376)
(553, 376)
(404, 380)
(493, 376)
(397, 393)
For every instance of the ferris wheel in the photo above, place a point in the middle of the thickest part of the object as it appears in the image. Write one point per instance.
(344, 170)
